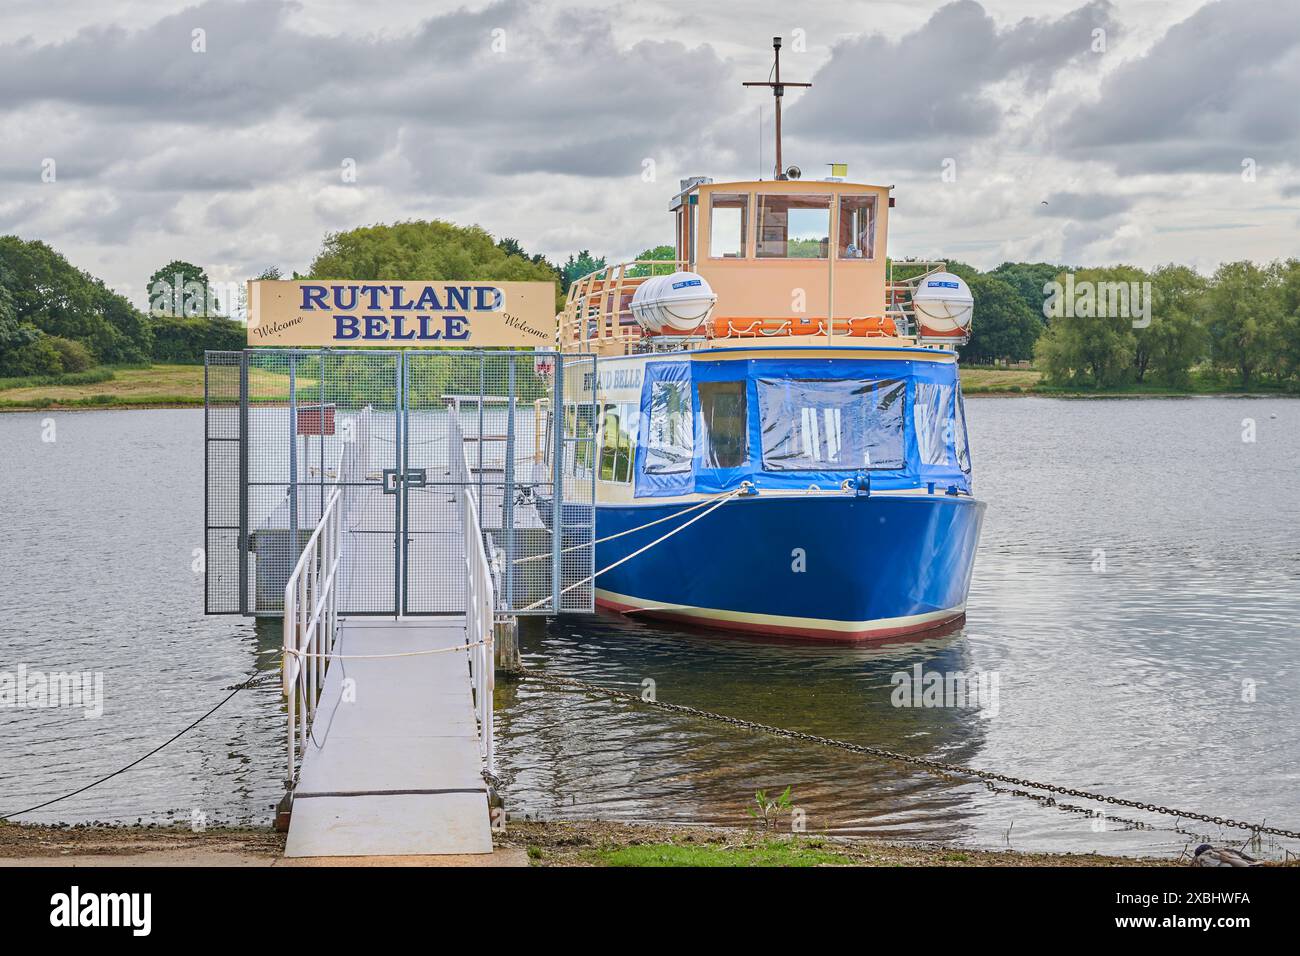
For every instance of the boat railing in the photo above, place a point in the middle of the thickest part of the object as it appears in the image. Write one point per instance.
(598, 310)
(898, 292)
(480, 592)
(598, 314)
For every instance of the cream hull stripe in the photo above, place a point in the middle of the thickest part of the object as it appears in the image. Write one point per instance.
(778, 620)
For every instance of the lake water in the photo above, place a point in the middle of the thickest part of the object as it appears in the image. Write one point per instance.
(1136, 596)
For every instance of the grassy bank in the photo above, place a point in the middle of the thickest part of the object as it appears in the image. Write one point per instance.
(595, 843)
(523, 843)
(1017, 381)
(156, 386)
(999, 381)
(178, 386)
(166, 385)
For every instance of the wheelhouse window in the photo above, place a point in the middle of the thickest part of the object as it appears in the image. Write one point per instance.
(670, 442)
(728, 218)
(618, 442)
(793, 227)
(857, 230)
(831, 424)
(723, 427)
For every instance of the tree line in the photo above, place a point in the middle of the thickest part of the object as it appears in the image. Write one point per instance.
(1118, 326)
(1083, 328)
(57, 319)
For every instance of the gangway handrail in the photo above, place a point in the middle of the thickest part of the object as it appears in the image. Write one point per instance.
(311, 593)
(480, 597)
(311, 624)
(311, 603)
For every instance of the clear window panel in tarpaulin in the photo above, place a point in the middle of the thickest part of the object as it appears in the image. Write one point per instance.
(723, 427)
(831, 424)
(670, 441)
(667, 447)
(932, 410)
(938, 416)
(959, 434)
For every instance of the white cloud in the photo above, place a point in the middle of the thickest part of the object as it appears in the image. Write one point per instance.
(232, 157)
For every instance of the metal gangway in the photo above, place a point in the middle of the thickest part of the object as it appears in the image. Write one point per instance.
(389, 731)
(398, 510)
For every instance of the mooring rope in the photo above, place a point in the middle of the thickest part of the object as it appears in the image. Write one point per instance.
(252, 681)
(620, 534)
(744, 488)
(379, 657)
(926, 763)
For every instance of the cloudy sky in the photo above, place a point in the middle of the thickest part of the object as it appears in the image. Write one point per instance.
(1141, 131)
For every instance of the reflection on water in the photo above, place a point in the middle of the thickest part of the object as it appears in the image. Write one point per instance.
(1135, 594)
(604, 758)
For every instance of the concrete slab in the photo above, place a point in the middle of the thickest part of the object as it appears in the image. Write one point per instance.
(392, 825)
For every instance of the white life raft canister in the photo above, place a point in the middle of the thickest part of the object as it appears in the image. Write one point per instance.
(943, 304)
(676, 303)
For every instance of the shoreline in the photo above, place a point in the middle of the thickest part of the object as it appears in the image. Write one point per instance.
(584, 843)
(147, 404)
(181, 386)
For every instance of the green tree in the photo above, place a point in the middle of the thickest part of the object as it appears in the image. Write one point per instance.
(1028, 279)
(1003, 326)
(1243, 318)
(1175, 341)
(512, 247)
(47, 293)
(181, 289)
(134, 341)
(584, 263)
(1087, 348)
(73, 356)
(420, 250)
(13, 334)
(1286, 352)
(39, 356)
(657, 254)
(182, 341)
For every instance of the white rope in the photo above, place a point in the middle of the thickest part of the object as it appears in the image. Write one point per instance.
(642, 527)
(743, 489)
(379, 657)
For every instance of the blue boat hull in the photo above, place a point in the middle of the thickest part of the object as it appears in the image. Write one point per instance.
(826, 567)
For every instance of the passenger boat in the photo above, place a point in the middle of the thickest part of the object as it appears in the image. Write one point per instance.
(775, 422)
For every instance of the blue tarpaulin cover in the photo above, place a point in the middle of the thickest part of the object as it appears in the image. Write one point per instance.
(792, 423)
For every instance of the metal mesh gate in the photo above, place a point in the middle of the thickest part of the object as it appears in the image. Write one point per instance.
(404, 434)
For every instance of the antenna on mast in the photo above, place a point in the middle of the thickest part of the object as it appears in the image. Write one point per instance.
(778, 90)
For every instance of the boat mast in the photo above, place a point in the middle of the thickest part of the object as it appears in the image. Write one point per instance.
(778, 90)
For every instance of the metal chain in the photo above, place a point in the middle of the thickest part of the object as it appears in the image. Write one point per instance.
(928, 764)
(256, 681)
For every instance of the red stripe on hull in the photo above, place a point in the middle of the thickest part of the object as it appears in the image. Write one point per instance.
(821, 634)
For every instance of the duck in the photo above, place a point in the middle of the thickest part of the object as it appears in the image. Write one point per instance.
(1206, 855)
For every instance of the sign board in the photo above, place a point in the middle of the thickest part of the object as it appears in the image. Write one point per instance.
(336, 312)
(310, 423)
